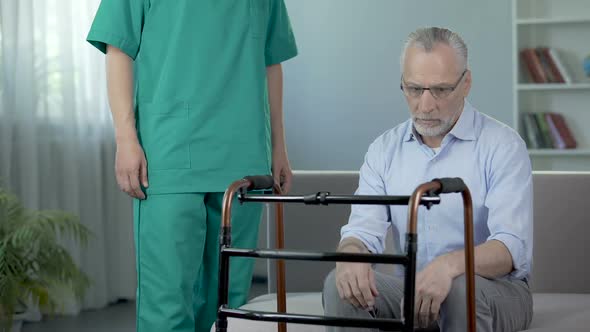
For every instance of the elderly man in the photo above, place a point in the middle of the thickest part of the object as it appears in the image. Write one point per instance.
(445, 137)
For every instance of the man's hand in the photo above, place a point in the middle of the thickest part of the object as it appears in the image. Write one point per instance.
(433, 285)
(131, 168)
(356, 283)
(281, 169)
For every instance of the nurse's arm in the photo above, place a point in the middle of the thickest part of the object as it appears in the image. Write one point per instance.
(130, 163)
(281, 169)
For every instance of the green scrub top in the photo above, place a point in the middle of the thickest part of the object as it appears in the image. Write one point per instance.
(201, 100)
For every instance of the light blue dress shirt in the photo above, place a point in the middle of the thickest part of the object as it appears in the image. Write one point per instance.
(492, 160)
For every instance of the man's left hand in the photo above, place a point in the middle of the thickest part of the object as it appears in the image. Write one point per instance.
(281, 170)
(433, 285)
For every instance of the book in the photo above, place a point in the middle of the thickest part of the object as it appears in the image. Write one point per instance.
(564, 130)
(532, 131)
(547, 141)
(551, 78)
(552, 67)
(525, 132)
(544, 129)
(557, 139)
(533, 65)
(559, 64)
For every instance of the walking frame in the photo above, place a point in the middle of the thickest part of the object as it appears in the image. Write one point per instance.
(427, 194)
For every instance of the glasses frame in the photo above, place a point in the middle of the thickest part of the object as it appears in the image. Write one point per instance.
(451, 89)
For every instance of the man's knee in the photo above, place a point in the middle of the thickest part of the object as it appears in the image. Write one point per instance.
(458, 293)
(333, 304)
(454, 307)
(330, 297)
(453, 310)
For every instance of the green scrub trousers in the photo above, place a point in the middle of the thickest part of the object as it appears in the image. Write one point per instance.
(177, 243)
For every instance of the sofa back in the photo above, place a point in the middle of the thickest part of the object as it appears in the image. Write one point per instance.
(561, 226)
(561, 230)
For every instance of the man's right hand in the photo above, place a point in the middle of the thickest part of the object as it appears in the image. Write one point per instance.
(356, 283)
(131, 168)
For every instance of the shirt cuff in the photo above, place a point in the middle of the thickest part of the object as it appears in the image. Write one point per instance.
(100, 40)
(273, 58)
(373, 246)
(517, 249)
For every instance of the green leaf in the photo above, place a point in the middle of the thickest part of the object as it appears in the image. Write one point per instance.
(32, 260)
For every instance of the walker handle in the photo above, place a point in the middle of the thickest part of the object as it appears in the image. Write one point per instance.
(260, 182)
(450, 185)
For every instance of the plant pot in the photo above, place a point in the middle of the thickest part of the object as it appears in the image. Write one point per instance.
(17, 322)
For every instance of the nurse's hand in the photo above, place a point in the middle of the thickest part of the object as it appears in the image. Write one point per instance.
(281, 170)
(131, 168)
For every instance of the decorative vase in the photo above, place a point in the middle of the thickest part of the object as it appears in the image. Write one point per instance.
(17, 322)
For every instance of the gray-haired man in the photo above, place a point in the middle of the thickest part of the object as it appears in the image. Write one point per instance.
(445, 137)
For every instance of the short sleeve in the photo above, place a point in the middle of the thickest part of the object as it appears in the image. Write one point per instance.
(280, 40)
(118, 23)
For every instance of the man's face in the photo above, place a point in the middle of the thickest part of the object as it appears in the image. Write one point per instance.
(434, 112)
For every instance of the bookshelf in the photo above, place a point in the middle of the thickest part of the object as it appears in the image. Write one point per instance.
(563, 25)
(568, 152)
(556, 86)
(556, 20)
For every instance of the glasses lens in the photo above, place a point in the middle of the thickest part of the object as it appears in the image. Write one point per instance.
(413, 91)
(441, 92)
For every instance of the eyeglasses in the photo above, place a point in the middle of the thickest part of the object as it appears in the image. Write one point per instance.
(438, 92)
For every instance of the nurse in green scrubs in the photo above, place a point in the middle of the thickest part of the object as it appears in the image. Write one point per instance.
(195, 89)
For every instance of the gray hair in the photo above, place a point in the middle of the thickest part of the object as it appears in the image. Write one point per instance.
(427, 38)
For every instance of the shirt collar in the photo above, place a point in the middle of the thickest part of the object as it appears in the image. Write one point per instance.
(410, 133)
(464, 128)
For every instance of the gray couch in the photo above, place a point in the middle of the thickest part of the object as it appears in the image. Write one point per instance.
(561, 275)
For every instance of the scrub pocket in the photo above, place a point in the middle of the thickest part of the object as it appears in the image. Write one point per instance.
(164, 131)
(259, 15)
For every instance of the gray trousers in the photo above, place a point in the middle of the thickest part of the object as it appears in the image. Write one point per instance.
(502, 305)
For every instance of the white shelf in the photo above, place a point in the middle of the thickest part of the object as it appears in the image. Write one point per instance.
(556, 152)
(556, 20)
(565, 26)
(553, 86)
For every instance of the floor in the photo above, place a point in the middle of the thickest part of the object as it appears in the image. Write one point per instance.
(119, 317)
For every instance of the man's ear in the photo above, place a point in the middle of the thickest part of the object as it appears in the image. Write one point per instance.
(467, 84)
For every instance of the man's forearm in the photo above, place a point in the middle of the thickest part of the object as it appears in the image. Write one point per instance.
(274, 76)
(353, 245)
(492, 260)
(120, 90)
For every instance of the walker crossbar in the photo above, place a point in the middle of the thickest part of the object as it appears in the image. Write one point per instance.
(317, 256)
(325, 198)
(377, 323)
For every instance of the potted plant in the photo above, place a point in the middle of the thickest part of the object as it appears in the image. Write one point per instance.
(33, 262)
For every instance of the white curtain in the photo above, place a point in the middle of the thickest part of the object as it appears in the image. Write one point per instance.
(56, 140)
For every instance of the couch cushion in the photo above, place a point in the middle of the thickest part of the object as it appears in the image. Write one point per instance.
(297, 303)
(561, 311)
(552, 312)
